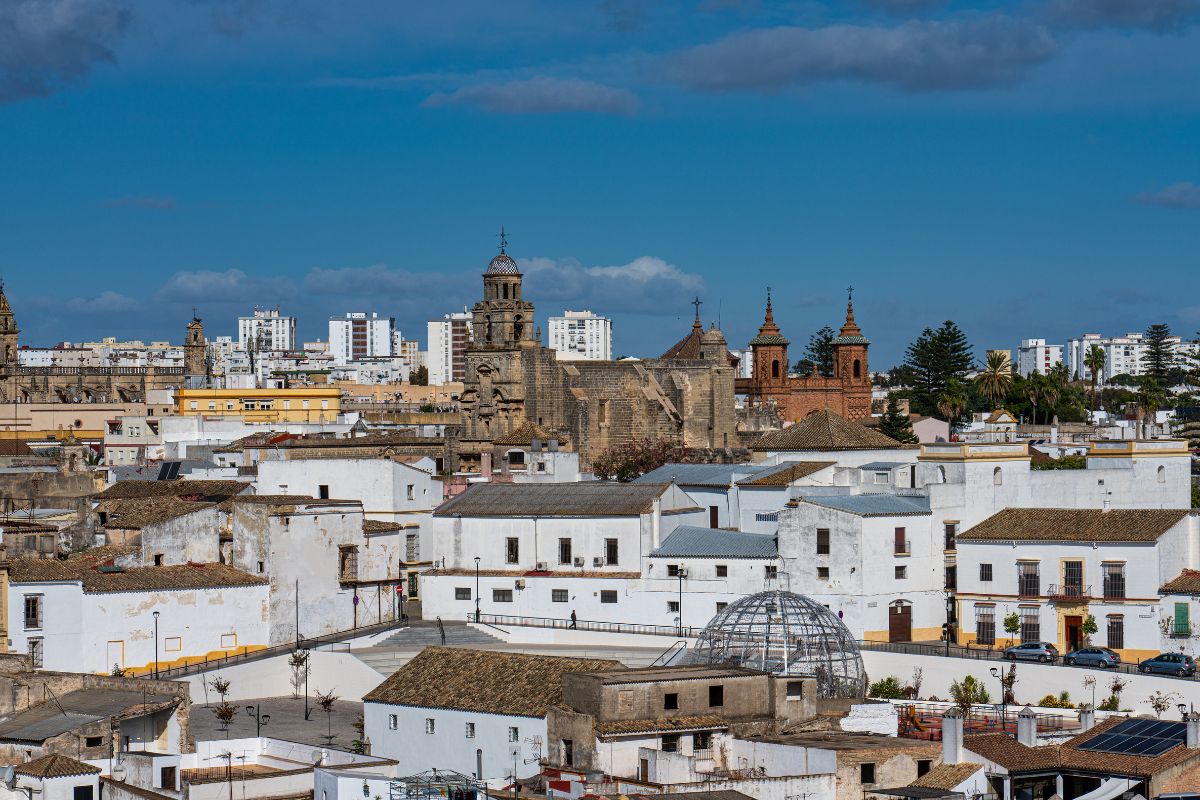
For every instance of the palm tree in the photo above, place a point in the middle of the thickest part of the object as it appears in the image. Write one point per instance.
(1150, 399)
(1034, 388)
(996, 379)
(1094, 360)
(952, 402)
(1052, 388)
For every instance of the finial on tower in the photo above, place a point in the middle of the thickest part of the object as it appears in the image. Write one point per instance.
(503, 239)
(697, 302)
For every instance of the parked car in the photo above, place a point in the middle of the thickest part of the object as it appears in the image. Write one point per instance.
(1169, 664)
(1100, 657)
(1032, 651)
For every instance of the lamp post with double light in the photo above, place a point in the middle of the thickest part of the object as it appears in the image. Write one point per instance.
(476, 590)
(156, 645)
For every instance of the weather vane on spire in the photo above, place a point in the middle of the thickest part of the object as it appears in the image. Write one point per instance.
(697, 303)
(503, 239)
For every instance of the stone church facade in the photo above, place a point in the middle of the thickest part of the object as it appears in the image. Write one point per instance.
(514, 385)
(846, 393)
(27, 384)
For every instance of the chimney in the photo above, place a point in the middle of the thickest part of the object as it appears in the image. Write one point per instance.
(1027, 727)
(1193, 729)
(485, 465)
(952, 736)
(1087, 718)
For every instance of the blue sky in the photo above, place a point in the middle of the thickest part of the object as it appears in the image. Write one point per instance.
(1025, 168)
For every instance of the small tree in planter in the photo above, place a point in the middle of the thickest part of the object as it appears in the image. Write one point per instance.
(326, 701)
(1162, 701)
(225, 713)
(1012, 626)
(1089, 628)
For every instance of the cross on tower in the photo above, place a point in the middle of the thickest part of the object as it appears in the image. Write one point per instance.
(697, 303)
(850, 292)
(503, 239)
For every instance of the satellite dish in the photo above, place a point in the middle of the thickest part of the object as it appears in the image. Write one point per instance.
(317, 755)
(118, 772)
(7, 773)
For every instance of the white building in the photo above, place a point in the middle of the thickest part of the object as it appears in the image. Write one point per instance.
(581, 335)
(54, 777)
(1034, 355)
(357, 336)
(132, 439)
(475, 712)
(77, 615)
(448, 340)
(1122, 354)
(408, 351)
(268, 330)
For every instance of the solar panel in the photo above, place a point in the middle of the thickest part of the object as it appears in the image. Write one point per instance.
(1139, 737)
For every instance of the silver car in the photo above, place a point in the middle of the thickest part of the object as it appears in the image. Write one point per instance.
(1032, 651)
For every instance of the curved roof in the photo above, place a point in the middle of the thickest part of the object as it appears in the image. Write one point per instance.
(503, 265)
(825, 430)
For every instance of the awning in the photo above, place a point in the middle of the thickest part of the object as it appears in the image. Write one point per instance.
(1109, 788)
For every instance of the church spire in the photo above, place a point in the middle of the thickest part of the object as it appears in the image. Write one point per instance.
(768, 332)
(696, 324)
(850, 327)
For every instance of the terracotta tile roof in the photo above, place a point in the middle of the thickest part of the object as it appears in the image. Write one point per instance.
(1077, 524)
(485, 681)
(1006, 751)
(379, 526)
(788, 472)
(14, 447)
(1187, 582)
(947, 776)
(593, 499)
(688, 348)
(97, 579)
(1000, 415)
(26, 526)
(55, 766)
(212, 491)
(266, 499)
(825, 430)
(136, 514)
(525, 434)
(666, 724)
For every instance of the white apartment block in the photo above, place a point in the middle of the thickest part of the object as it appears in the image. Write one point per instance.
(1034, 355)
(581, 336)
(268, 329)
(356, 336)
(448, 339)
(1122, 354)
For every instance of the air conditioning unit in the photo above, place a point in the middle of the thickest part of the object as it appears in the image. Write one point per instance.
(579, 561)
(520, 583)
(542, 566)
(597, 562)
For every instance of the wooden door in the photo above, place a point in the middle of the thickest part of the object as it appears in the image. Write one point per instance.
(900, 623)
(1074, 631)
(713, 517)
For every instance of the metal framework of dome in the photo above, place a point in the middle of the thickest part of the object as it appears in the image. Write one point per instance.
(785, 634)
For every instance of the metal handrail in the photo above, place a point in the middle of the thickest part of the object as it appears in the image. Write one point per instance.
(589, 625)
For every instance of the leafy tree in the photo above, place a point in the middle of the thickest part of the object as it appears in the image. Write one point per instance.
(818, 353)
(1035, 391)
(1150, 398)
(1053, 388)
(896, 425)
(953, 402)
(326, 701)
(1094, 360)
(1158, 361)
(624, 462)
(967, 693)
(887, 689)
(225, 712)
(419, 376)
(1161, 701)
(1089, 628)
(996, 378)
(936, 357)
(1012, 626)
(1062, 462)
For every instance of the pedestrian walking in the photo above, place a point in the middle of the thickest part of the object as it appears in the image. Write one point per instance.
(574, 619)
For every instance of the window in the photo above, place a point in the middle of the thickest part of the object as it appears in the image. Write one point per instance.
(82, 793)
(716, 696)
(35, 651)
(502, 595)
(672, 570)
(564, 551)
(673, 606)
(512, 550)
(951, 576)
(670, 743)
(901, 542)
(323, 491)
(1028, 579)
(951, 531)
(721, 607)
(430, 725)
(558, 595)
(997, 477)
(770, 572)
(470, 730)
(822, 541)
(602, 412)
(33, 611)
(158, 559)
(722, 571)
(822, 573)
(348, 562)
(866, 773)
(795, 689)
(923, 766)
(608, 596)
(1072, 579)
(985, 572)
(775, 368)
(1114, 581)
(192, 405)
(262, 567)
(702, 744)
(1116, 631)
(514, 735)
(985, 624)
(1031, 628)
(901, 573)
(611, 552)
(568, 752)
(393, 722)
(671, 701)
(462, 593)
(1182, 626)
(1162, 474)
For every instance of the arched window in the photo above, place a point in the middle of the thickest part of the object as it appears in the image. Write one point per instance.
(1162, 474)
(941, 474)
(997, 477)
(857, 368)
(775, 368)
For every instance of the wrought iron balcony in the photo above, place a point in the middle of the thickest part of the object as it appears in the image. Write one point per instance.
(1068, 592)
(1028, 587)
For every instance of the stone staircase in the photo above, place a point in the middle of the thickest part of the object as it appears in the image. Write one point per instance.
(425, 634)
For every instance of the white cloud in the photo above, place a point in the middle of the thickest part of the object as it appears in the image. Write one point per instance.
(105, 302)
(1184, 194)
(230, 286)
(646, 285)
(540, 95)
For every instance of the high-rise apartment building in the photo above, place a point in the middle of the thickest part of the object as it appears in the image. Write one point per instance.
(1034, 355)
(267, 330)
(1123, 355)
(448, 340)
(356, 336)
(581, 336)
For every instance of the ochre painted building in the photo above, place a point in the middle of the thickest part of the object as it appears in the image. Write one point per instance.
(263, 405)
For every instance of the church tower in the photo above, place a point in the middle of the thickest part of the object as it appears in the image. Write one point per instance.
(850, 365)
(502, 319)
(195, 351)
(8, 334)
(770, 353)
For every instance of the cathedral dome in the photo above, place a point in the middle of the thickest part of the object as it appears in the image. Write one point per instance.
(502, 265)
(785, 634)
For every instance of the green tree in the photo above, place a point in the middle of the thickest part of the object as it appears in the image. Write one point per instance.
(1012, 626)
(1158, 362)
(896, 425)
(953, 402)
(930, 362)
(1094, 360)
(419, 376)
(887, 689)
(1034, 387)
(1150, 398)
(818, 353)
(1053, 387)
(967, 693)
(996, 379)
(1089, 628)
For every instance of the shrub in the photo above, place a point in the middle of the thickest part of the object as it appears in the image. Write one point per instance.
(887, 689)
(968, 692)
(1063, 700)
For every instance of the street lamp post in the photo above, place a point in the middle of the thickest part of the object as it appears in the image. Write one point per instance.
(476, 590)
(682, 575)
(156, 645)
(261, 720)
(1003, 704)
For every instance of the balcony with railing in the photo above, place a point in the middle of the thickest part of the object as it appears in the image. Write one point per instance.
(1068, 592)
(1179, 629)
(902, 548)
(1028, 586)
